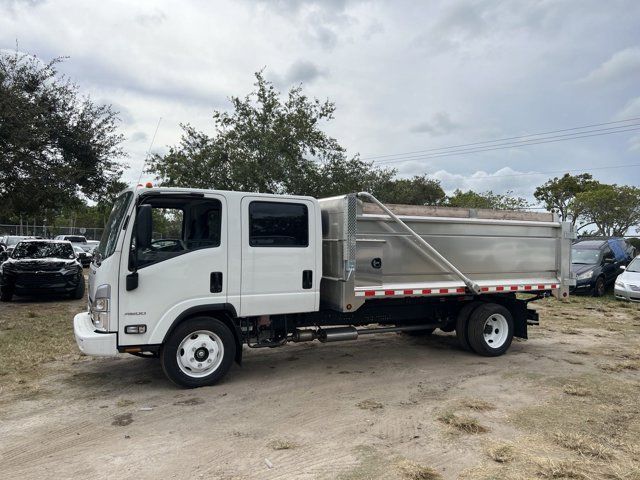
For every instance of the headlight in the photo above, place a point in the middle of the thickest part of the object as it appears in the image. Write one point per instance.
(99, 309)
(585, 276)
(620, 284)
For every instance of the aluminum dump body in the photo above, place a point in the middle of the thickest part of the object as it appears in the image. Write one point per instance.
(367, 254)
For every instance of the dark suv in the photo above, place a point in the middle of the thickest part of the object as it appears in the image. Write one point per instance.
(596, 264)
(41, 266)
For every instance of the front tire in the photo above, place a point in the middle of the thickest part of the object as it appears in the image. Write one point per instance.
(78, 293)
(599, 288)
(6, 295)
(199, 352)
(490, 330)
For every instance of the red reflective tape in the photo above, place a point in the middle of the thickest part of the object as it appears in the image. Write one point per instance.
(499, 289)
(444, 290)
(369, 293)
(513, 287)
(554, 286)
(426, 291)
(460, 290)
(528, 287)
(408, 292)
(389, 292)
(484, 289)
(540, 287)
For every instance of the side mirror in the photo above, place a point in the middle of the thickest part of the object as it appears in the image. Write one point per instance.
(622, 267)
(144, 226)
(4, 256)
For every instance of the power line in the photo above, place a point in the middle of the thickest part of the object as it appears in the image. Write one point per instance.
(374, 157)
(489, 148)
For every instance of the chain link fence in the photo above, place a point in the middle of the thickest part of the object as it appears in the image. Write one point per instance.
(47, 231)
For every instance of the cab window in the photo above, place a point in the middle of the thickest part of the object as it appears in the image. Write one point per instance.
(179, 226)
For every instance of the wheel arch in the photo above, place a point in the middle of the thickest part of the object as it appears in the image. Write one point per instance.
(225, 312)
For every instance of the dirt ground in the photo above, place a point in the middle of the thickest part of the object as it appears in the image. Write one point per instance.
(564, 404)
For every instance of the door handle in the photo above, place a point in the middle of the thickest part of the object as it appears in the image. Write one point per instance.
(215, 285)
(307, 279)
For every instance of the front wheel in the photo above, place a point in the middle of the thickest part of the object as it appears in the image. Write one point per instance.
(490, 330)
(600, 287)
(199, 352)
(78, 293)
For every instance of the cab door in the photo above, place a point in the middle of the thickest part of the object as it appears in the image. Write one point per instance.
(279, 273)
(184, 266)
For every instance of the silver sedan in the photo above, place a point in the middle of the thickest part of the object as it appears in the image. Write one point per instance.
(627, 286)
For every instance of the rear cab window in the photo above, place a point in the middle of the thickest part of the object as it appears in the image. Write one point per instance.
(278, 224)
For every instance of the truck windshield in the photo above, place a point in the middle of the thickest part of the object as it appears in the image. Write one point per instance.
(43, 250)
(585, 256)
(109, 237)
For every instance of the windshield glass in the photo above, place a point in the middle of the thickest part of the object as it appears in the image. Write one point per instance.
(43, 250)
(634, 266)
(114, 224)
(584, 256)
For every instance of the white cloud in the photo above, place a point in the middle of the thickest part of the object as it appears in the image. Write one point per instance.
(622, 65)
(502, 180)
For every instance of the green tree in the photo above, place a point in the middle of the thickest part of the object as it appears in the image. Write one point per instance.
(488, 199)
(612, 209)
(419, 190)
(559, 194)
(267, 143)
(57, 147)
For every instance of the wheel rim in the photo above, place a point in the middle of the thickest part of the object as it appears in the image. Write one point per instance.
(200, 353)
(496, 330)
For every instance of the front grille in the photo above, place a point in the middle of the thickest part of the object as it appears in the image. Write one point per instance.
(38, 279)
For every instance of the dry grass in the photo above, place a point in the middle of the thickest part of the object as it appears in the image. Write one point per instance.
(463, 423)
(576, 390)
(583, 445)
(281, 444)
(501, 452)
(414, 471)
(619, 366)
(369, 405)
(560, 469)
(477, 404)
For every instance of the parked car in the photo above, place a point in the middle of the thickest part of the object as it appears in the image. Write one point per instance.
(41, 266)
(627, 286)
(597, 263)
(77, 241)
(10, 241)
(83, 256)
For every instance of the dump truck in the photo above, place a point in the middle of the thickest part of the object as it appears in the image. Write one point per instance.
(192, 276)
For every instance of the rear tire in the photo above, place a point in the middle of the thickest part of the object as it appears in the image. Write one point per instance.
(6, 295)
(490, 330)
(462, 322)
(199, 352)
(600, 288)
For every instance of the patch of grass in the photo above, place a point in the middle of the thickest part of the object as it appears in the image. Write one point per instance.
(124, 402)
(369, 405)
(559, 469)
(477, 404)
(414, 471)
(570, 331)
(618, 367)
(463, 423)
(32, 314)
(281, 444)
(579, 352)
(583, 445)
(575, 390)
(501, 452)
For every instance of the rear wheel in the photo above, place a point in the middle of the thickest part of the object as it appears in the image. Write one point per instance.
(462, 322)
(490, 330)
(600, 287)
(199, 352)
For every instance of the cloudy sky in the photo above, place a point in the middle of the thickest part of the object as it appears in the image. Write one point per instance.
(406, 76)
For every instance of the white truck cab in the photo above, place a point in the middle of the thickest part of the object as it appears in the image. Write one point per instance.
(192, 275)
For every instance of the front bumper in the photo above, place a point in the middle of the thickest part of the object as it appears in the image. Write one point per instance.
(624, 294)
(582, 286)
(91, 342)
